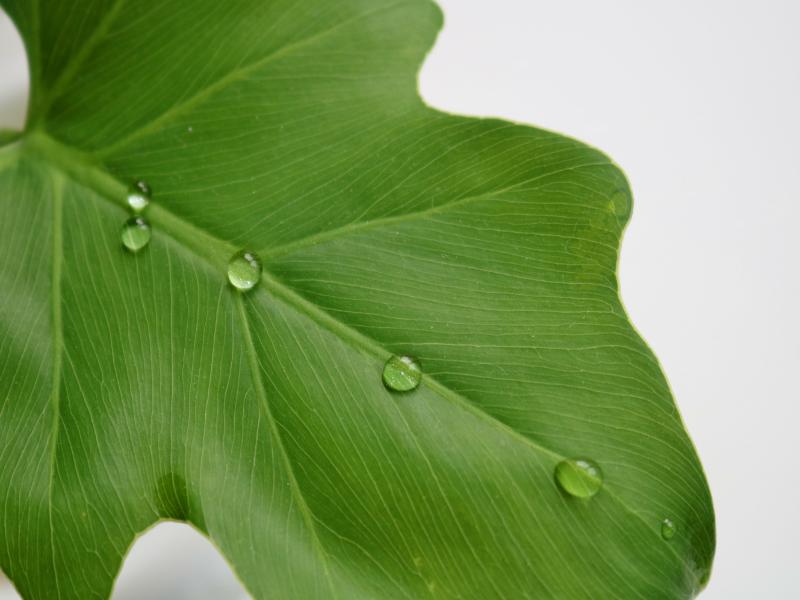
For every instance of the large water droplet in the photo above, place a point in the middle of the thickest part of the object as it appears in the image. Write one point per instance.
(579, 477)
(244, 270)
(401, 374)
(136, 234)
(668, 529)
(139, 195)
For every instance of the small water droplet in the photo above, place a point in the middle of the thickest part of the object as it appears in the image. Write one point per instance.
(401, 374)
(139, 195)
(244, 270)
(668, 529)
(579, 477)
(620, 204)
(136, 234)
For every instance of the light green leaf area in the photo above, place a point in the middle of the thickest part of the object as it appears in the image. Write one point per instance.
(136, 387)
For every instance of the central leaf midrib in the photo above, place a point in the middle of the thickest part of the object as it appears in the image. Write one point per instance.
(84, 170)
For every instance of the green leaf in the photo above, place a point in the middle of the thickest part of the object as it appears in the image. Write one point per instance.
(142, 386)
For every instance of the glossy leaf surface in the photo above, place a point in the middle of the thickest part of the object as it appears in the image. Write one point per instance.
(142, 386)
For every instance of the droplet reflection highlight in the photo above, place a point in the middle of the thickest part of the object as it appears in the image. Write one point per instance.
(244, 270)
(136, 234)
(668, 529)
(579, 477)
(401, 374)
(139, 195)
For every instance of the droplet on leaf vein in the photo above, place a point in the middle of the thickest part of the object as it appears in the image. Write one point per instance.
(668, 529)
(139, 195)
(244, 270)
(136, 234)
(579, 477)
(401, 374)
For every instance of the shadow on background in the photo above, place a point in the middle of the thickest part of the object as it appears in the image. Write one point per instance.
(7, 591)
(14, 76)
(173, 561)
(13, 107)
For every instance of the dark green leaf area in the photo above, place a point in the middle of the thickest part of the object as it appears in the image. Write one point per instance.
(296, 217)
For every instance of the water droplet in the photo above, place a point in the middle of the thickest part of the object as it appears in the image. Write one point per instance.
(579, 477)
(136, 234)
(401, 374)
(620, 204)
(139, 195)
(668, 529)
(244, 270)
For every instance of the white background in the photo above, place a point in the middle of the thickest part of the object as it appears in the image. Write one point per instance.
(699, 102)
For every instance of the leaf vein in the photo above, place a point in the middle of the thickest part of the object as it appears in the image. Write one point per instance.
(344, 230)
(258, 381)
(238, 74)
(58, 345)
